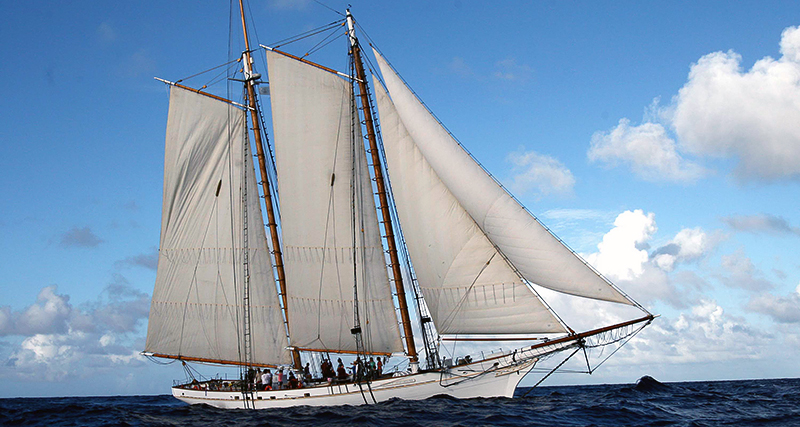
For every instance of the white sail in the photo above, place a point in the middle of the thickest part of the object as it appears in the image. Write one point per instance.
(528, 245)
(468, 286)
(197, 308)
(315, 129)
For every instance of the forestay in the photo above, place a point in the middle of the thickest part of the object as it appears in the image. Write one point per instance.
(197, 309)
(468, 286)
(528, 245)
(322, 180)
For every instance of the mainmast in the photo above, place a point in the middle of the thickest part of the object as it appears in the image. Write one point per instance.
(382, 197)
(250, 77)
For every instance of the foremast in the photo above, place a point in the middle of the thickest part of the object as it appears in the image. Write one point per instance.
(250, 77)
(388, 229)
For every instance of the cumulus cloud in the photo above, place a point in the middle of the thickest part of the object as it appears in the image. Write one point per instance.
(49, 314)
(646, 149)
(688, 245)
(61, 340)
(722, 111)
(539, 174)
(740, 272)
(752, 115)
(782, 309)
(623, 251)
(623, 257)
(706, 333)
(80, 237)
(761, 223)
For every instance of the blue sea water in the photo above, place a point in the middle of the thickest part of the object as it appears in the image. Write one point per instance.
(646, 403)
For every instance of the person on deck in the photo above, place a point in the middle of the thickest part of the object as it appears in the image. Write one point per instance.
(281, 379)
(307, 373)
(379, 368)
(266, 379)
(293, 383)
(341, 373)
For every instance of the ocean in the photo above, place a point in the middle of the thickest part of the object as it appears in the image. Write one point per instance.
(646, 403)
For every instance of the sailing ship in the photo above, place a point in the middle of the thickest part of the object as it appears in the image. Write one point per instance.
(360, 213)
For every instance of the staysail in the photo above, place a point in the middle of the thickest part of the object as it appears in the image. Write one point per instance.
(322, 179)
(197, 306)
(468, 286)
(539, 256)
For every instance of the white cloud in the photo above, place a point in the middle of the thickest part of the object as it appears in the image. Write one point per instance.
(49, 314)
(705, 334)
(622, 253)
(688, 245)
(782, 309)
(539, 174)
(738, 271)
(721, 111)
(60, 341)
(726, 112)
(646, 149)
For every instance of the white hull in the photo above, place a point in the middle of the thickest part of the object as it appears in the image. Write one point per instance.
(489, 378)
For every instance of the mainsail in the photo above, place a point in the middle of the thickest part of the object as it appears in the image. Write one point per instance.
(329, 222)
(539, 256)
(209, 180)
(468, 286)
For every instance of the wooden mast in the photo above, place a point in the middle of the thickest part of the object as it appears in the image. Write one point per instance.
(382, 197)
(262, 163)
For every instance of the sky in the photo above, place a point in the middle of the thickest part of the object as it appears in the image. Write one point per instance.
(659, 140)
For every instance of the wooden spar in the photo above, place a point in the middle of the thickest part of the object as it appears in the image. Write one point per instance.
(200, 92)
(382, 197)
(557, 340)
(306, 61)
(323, 350)
(214, 361)
(262, 163)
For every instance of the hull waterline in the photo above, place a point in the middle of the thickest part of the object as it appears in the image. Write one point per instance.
(480, 379)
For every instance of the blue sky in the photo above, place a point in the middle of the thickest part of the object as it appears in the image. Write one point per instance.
(659, 140)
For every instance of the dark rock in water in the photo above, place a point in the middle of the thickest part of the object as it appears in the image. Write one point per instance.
(649, 384)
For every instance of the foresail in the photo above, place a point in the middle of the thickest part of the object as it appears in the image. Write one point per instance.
(196, 311)
(314, 126)
(468, 286)
(529, 246)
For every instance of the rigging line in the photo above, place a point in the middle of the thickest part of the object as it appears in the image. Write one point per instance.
(553, 370)
(329, 8)
(630, 337)
(309, 33)
(206, 71)
(329, 218)
(323, 43)
(451, 317)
